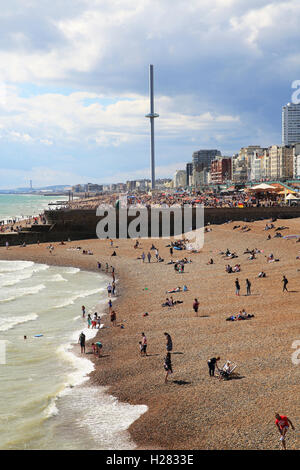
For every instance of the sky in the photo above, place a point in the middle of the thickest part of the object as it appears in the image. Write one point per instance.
(74, 87)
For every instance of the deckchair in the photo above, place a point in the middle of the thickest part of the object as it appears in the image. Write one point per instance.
(224, 372)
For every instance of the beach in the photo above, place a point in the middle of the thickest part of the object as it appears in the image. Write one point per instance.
(193, 410)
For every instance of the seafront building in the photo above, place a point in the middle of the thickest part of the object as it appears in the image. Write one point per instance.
(203, 158)
(179, 180)
(290, 124)
(221, 170)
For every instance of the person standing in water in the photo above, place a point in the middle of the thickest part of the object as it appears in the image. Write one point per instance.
(81, 341)
(83, 311)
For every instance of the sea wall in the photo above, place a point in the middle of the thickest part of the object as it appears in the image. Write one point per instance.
(81, 224)
(79, 220)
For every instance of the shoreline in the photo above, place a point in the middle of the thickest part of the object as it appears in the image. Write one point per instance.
(197, 412)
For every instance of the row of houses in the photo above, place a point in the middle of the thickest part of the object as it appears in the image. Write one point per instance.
(252, 163)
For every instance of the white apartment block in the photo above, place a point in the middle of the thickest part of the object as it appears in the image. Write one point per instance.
(179, 180)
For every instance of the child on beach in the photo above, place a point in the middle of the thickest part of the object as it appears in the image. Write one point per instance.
(83, 311)
(89, 320)
(99, 348)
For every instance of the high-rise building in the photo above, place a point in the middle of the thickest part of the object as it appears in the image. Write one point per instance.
(203, 158)
(290, 124)
(189, 174)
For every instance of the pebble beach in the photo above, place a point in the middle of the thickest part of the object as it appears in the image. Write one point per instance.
(193, 410)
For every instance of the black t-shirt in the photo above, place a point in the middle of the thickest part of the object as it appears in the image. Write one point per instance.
(212, 361)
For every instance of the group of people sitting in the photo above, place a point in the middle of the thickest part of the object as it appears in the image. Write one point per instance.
(242, 315)
(229, 254)
(87, 252)
(236, 269)
(170, 302)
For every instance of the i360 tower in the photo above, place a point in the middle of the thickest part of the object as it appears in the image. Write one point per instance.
(152, 115)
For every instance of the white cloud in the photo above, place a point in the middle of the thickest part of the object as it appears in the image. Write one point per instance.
(64, 119)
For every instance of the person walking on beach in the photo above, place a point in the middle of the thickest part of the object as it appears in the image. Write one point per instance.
(248, 287)
(109, 288)
(113, 286)
(283, 423)
(149, 256)
(212, 363)
(89, 320)
(285, 283)
(144, 344)
(196, 306)
(171, 251)
(81, 341)
(109, 305)
(237, 287)
(169, 344)
(83, 311)
(143, 257)
(168, 366)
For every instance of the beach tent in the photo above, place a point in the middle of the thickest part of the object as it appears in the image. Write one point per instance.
(262, 187)
(292, 197)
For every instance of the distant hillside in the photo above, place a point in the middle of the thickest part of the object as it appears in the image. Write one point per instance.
(54, 188)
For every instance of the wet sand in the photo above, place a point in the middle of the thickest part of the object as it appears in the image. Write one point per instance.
(195, 411)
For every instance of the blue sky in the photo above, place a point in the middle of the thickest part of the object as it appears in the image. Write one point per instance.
(74, 84)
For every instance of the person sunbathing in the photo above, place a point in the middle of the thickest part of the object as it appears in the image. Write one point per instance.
(178, 289)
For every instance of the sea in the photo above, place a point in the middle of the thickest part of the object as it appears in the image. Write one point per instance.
(20, 206)
(47, 400)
